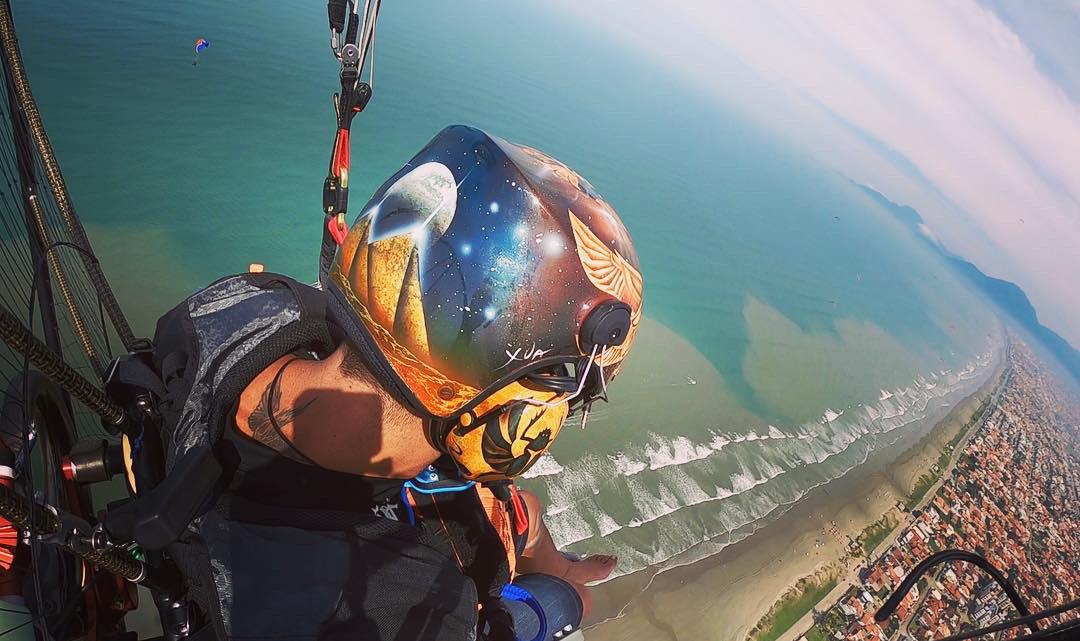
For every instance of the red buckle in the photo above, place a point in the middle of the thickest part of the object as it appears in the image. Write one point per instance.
(521, 522)
(337, 228)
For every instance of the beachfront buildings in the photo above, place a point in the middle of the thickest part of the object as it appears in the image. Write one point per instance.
(1013, 497)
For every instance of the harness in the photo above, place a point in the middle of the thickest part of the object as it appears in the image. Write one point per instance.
(197, 482)
(354, 47)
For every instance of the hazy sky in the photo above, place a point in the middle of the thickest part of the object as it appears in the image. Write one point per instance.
(967, 111)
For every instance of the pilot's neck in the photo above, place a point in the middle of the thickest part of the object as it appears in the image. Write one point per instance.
(337, 422)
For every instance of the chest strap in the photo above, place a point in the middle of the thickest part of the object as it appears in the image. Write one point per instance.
(417, 492)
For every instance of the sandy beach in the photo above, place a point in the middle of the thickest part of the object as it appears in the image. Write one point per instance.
(724, 596)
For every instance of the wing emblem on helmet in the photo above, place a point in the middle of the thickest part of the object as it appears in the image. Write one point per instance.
(612, 274)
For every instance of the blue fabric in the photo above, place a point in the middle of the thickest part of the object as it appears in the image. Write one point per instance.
(558, 599)
(516, 593)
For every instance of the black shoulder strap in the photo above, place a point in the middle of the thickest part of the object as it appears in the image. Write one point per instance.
(134, 372)
(160, 515)
(236, 507)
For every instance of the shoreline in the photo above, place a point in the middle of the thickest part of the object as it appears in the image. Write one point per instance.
(726, 595)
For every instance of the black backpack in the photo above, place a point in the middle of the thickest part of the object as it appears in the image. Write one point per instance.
(180, 386)
(183, 387)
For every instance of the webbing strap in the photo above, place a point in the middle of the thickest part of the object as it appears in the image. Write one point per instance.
(326, 255)
(354, 50)
(354, 26)
(335, 10)
(239, 508)
(134, 372)
(172, 366)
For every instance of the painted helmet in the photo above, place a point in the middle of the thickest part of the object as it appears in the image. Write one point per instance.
(493, 291)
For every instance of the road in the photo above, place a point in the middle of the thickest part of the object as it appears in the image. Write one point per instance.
(803, 625)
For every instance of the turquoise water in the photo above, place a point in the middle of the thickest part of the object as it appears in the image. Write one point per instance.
(793, 326)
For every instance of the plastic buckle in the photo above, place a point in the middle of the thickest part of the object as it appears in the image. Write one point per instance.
(521, 522)
(428, 482)
(428, 475)
(337, 228)
(329, 198)
(511, 592)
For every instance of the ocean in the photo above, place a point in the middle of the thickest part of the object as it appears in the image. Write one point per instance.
(792, 326)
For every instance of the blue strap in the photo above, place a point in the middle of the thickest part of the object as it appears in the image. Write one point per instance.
(428, 482)
(512, 592)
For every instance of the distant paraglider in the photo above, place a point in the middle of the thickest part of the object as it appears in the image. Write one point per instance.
(200, 45)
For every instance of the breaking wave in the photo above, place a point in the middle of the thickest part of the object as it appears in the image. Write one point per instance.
(643, 499)
(546, 465)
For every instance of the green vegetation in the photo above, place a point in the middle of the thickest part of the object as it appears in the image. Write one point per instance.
(801, 599)
(890, 628)
(978, 414)
(922, 486)
(950, 447)
(792, 606)
(926, 481)
(828, 624)
(875, 533)
(943, 460)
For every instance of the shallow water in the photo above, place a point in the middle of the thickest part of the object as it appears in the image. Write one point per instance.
(792, 325)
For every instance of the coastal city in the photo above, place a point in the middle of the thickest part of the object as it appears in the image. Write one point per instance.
(1013, 497)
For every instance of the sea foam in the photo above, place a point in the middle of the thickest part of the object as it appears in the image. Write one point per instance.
(546, 465)
(664, 477)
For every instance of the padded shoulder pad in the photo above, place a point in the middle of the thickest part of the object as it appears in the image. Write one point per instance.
(212, 345)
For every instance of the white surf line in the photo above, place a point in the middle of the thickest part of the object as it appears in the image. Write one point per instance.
(786, 505)
(732, 494)
(873, 438)
(667, 510)
(622, 611)
(757, 523)
(920, 403)
(703, 450)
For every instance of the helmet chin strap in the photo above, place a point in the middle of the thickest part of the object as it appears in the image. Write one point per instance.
(437, 430)
(581, 385)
